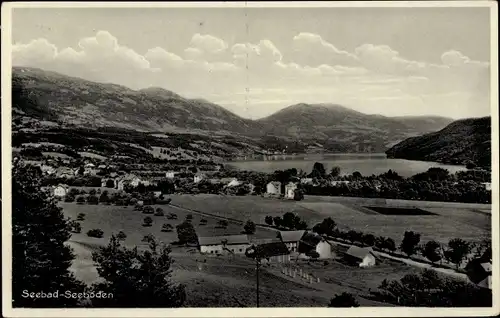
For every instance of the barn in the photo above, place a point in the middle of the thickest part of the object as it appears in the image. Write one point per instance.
(291, 239)
(361, 256)
(311, 241)
(227, 244)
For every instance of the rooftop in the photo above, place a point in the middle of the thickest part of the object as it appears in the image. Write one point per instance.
(291, 236)
(228, 239)
(359, 252)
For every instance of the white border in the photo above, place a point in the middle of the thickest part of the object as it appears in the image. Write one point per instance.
(8, 311)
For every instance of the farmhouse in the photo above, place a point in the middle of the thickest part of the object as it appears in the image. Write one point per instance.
(362, 256)
(170, 174)
(479, 272)
(487, 185)
(233, 244)
(274, 252)
(291, 239)
(234, 183)
(60, 191)
(311, 241)
(290, 190)
(198, 177)
(273, 188)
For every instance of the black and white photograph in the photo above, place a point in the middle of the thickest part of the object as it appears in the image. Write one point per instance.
(285, 159)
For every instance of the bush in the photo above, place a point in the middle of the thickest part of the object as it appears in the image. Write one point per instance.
(269, 220)
(343, 300)
(186, 233)
(148, 221)
(148, 210)
(92, 199)
(121, 236)
(75, 227)
(69, 198)
(98, 233)
(249, 227)
(159, 212)
(167, 228)
(80, 200)
(80, 217)
(203, 222)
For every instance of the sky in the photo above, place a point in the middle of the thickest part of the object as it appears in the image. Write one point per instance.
(256, 61)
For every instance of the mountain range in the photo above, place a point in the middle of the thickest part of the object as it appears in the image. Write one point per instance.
(327, 127)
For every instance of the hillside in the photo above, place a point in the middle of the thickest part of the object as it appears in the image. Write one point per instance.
(76, 102)
(80, 102)
(467, 140)
(334, 125)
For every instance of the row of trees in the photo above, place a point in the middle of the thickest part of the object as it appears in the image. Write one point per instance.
(428, 289)
(289, 221)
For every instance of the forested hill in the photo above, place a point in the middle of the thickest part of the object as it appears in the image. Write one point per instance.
(461, 142)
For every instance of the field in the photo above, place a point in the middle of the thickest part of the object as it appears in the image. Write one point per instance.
(112, 219)
(229, 281)
(450, 220)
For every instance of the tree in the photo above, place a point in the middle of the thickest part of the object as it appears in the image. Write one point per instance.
(40, 257)
(269, 220)
(136, 279)
(80, 200)
(103, 198)
(148, 221)
(121, 236)
(343, 300)
(431, 251)
(203, 222)
(410, 242)
(335, 172)
(277, 221)
(326, 227)
(92, 199)
(298, 195)
(92, 192)
(390, 245)
(80, 217)
(167, 228)
(81, 171)
(69, 198)
(97, 233)
(457, 250)
(148, 210)
(186, 233)
(369, 239)
(313, 254)
(75, 227)
(318, 171)
(110, 183)
(249, 227)
(159, 212)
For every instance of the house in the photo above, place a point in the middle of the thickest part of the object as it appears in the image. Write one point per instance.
(273, 188)
(273, 252)
(157, 194)
(311, 241)
(234, 183)
(290, 190)
(487, 185)
(120, 185)
(47, 169)
(101, 167)
(64, 172)
(89, 165)
(60, 191)
(104, 182)
(291, 239)
(479, 272)
(338, 182)
(361, 256)
(170, 174)
(231, 244)
(198, 177)
(306, 180)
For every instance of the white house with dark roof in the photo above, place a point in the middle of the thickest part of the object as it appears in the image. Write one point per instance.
(61, 190)
(291, 239)
(273, 188)
(362, 256)
(234, 244)
(290, 190)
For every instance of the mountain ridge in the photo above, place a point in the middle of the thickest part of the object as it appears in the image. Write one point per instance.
(77, 101)
(461, 142)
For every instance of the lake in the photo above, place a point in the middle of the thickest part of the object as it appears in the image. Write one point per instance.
(366, 164)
